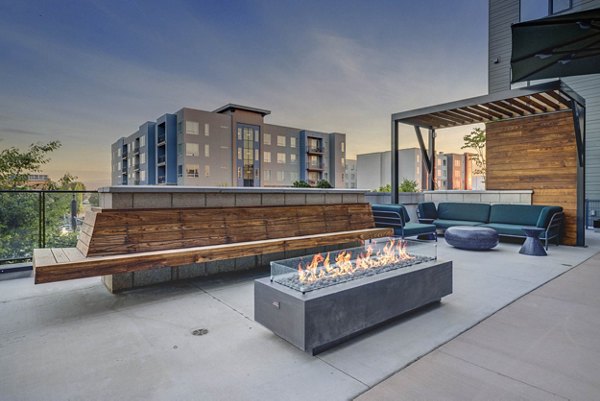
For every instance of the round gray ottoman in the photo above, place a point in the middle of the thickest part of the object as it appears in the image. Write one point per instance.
(472, 238)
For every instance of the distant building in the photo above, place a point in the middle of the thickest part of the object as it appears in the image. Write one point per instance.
(350, 174)
(454, 170)
(37, 181)
(231, 146)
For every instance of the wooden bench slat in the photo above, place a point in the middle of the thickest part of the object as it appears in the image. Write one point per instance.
(59, 255)
(106, 265)
(73, 254)
(43, 257)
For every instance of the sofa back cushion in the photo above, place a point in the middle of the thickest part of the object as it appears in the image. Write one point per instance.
(400, 209)
(427, 210)
(524, 215)
(464, 211)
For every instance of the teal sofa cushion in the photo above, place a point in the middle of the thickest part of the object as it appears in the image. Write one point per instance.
(524, 215)
(427, 210)
(412, 229)
(444, 224)
(546, 214)
(392, 208)
(506, 229)
(478, 212)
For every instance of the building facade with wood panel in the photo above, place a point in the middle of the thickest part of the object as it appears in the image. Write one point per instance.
(504, 13)
(230, 146)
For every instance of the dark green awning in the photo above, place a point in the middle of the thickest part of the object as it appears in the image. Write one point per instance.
(556, 46)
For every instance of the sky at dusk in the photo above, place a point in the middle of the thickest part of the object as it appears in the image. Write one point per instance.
(87, 72)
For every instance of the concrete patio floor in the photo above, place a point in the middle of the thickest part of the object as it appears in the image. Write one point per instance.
(74, 340)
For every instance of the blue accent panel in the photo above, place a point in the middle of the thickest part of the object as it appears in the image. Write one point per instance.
(171, 135)
(302, 155)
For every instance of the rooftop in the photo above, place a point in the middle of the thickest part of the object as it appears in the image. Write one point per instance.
(73, 340)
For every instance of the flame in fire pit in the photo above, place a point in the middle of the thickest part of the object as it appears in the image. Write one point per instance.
(320, 267)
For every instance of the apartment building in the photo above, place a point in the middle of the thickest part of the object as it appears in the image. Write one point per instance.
(503, 13)
(350, 173)
(230, 146)
(454, 170)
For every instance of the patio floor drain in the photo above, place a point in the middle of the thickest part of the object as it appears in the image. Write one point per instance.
(199, 332)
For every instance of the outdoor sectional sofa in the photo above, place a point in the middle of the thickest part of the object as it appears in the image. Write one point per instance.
(396, 217)
(507, 220)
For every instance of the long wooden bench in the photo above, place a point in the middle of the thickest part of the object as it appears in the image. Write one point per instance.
(126, 240)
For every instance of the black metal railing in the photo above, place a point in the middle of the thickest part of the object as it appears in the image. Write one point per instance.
(40, 218)
(161, 159)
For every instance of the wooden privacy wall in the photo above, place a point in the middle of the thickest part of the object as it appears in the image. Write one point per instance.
(122, 231)
(537, 153)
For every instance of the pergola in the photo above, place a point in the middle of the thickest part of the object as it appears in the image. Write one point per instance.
(525, 104)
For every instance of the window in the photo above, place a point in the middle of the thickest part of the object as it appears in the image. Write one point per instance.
(143, 175)
(180, 149)
(280, 140)
(192, 149)
(256, 138)
(267, 139)
(292, 142)
(343, 162)
(143, 140)
(207, 171)
(293, 158)
(343, 147)
(119, 152)
(281, 158)
(192, 128)
(192, 170)
(256, 154)
(239, 153)
(239, 135)
(280, 176)
(457, 174)
(534, 9)
(206, 150)
(457, 163)
(267, 157)
(142, 158)
(206, 129)
(180, 171)
(118, 165)
(267, 174)
(239, 172)
(179, 128)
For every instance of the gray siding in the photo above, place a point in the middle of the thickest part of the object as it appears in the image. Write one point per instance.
(502, 13)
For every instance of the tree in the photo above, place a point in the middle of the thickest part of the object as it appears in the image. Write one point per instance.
(15, 165)
(324, 184)
(300, 184)
(476, 141)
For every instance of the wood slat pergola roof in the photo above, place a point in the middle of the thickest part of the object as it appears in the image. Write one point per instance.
(540, 99)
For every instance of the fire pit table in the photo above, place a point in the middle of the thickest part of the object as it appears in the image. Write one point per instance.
(317, 301)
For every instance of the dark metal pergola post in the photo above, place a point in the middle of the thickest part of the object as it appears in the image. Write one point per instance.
(395, 162)
(432, 159)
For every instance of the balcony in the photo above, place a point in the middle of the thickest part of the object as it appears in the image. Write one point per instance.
(315, 151)
(136, 166)
(161, 179)
(161, 159)
(315, 167)
(160, 140)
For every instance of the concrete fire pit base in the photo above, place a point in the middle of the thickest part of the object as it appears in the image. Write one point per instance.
(321, 319)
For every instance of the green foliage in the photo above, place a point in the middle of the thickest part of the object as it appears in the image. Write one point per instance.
(405, 186)
(15, 165)
(476, 141)
(20, 212)
(408, 186)
(323, 184)
(300, 184)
